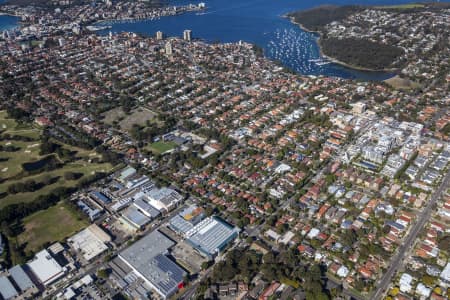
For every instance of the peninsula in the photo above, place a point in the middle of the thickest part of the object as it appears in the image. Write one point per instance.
(374, 37)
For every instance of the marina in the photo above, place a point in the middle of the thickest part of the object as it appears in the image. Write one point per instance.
(297, 46)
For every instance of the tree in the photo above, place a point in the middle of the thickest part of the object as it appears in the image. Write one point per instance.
(48, 147)
(269, 258)
(444, 242)
(6, 229)
(72, 175)
(330, 178)
(103, 273)
(313, 284)
(437, 290)
(394, 291)
(47, 179)
(428, 280)
(206, 265)
(349, 237)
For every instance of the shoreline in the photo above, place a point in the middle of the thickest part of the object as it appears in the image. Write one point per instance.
(9, 14)
(110, 21)
(10, 26)
(134, 20)
(332, 59)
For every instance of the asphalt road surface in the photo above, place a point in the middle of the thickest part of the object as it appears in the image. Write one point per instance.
(397, 260)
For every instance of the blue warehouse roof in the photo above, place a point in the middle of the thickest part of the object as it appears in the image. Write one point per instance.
(211, 236)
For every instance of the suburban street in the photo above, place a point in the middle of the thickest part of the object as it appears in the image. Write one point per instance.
(397, 260)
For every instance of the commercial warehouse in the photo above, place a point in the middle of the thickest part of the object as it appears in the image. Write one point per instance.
(22, 280)
(46, 268)
(211, 236)
(164, 199)
(7, 290)
(186, 219)
(135, 218)
(147, 257)
(90, 242)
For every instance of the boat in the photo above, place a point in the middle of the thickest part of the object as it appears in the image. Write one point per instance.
(323, 63)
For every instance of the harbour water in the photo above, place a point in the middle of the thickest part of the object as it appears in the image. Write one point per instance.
(8, 22)
(260, 22)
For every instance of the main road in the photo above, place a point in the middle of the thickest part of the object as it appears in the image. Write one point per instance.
(397, 260)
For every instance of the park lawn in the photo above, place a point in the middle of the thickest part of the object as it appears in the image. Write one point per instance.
(161, 147)
(113, 115)
(402, 83)
(138, 116)
(35, 43)
(77, 167)
(44, 227)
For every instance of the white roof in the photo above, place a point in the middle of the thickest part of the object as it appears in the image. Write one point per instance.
(157, 204)
(272, 234)
(423, 290)
(343, 271)
(45, 267)
(7, 290)
(445, 274)
(405, 282)
(69, 293)
(88, 243)
(282, 168)
(406, 278)
(87, 279)
(313, 233)
(287, 237)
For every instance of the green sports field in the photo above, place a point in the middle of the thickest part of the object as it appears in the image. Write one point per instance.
(161, 147)
(44, 227)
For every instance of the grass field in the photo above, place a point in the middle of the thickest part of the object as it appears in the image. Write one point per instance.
(138, 116)
(401, 83)
(43, 227)
(29, 151)
(161, 147)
